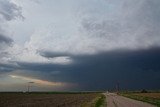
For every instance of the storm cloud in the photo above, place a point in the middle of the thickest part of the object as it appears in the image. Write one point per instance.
(132, 69)
(5, 39)
(91, 27)
(50, 54)
(5, 68)
(94, 44)
(9, 10)
(126, 24)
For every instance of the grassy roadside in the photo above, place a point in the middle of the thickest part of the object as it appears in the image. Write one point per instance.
(99, 101)
(151, 100)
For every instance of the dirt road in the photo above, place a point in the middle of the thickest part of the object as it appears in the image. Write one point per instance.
(114, 100)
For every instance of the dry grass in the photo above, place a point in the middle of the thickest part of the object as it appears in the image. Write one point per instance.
(45, 100)
(153, 98)
(152, 95)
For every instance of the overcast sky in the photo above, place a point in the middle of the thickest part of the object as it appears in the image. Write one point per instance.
(79, 44)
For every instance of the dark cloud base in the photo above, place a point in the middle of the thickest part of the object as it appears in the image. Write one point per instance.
(132, 69)
(5, 39)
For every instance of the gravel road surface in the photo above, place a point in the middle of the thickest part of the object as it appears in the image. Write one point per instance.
(114, 100)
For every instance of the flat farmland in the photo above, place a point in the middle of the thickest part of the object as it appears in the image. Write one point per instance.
(150, 95)
(47, 99)
(152, 98)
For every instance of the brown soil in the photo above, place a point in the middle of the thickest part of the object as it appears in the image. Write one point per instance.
(45, 100)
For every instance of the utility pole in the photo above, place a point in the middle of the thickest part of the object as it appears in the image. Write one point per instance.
(29, 85)
(117, 87)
